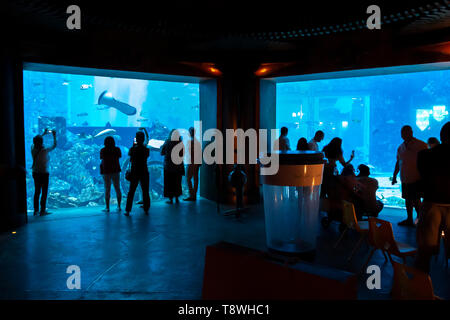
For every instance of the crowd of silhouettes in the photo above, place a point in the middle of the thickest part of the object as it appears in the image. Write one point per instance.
(137, 172)
(424, 170)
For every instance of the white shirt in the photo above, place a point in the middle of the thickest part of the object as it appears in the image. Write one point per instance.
(41, 161)
(312, 145)
(283, 144)
(407, 160)
(195, 154)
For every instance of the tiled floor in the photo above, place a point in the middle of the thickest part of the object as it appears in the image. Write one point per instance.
(160, 256)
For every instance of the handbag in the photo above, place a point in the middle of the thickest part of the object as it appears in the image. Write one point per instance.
(128, 174)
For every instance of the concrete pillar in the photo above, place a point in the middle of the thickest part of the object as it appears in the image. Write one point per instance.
(240, 109)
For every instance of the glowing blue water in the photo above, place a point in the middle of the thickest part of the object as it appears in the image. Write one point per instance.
(68, 103)
(367, 113)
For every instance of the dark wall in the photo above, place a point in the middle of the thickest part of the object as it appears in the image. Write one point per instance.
(12, 153)
(267, 107)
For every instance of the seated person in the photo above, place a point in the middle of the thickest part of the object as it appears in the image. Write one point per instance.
(367, 189)
(302, 145)
(348, 171)
(341, 187)
(432, 142)
(359, 190)
(349, 186)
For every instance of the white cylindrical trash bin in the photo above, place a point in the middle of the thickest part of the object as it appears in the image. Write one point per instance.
(291, 202)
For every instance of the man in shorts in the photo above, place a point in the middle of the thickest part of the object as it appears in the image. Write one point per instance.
(409, 174)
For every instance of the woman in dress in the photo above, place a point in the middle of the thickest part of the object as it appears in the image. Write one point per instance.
(110, 170)
(173, 172)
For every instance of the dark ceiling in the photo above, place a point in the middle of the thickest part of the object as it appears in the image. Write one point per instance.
(208, 20)
(214, 30)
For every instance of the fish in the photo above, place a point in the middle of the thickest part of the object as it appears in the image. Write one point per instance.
(107, 99)
(83, 114)
(65, 83)
(153, 143)
(85, 86)
(102, 107)
(142, 119)
(196, 107)
(390, 121)
(106, 132)
(175, 98)
(85, 123)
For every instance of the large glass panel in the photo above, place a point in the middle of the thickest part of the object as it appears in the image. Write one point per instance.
(69, 104)
(367, 113)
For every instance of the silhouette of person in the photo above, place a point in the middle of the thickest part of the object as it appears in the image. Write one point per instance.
(40, 170)
(368, 192)
(348, 171)
(282, 143)
(194, 148)
(139, 192)
(434, 168)
(313, 143)
(432, 142)
(302, 145)
(333, 152)
(173, 172)
(110, 170)
(409, 175)
(348, 187)
(139, 172)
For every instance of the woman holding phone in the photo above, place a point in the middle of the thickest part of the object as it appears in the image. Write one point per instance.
(40, 170)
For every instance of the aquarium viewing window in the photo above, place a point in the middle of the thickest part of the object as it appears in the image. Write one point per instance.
(367, 108)
(84, 106)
